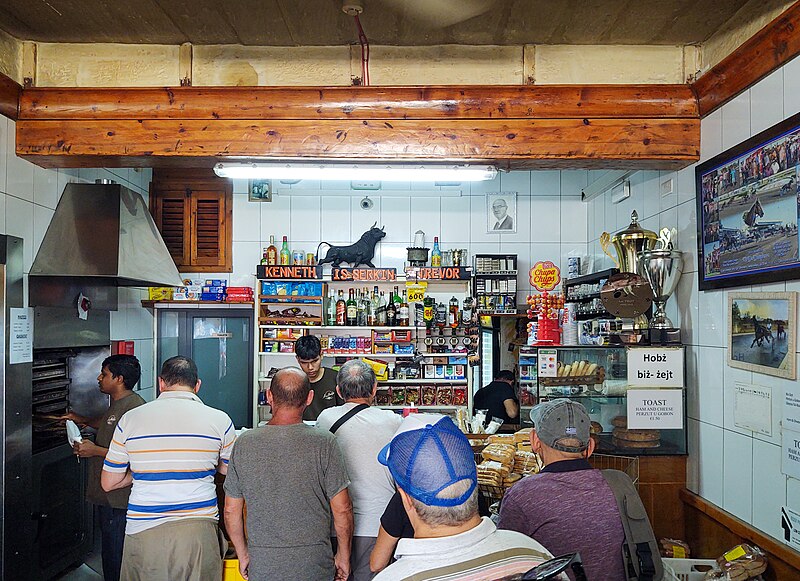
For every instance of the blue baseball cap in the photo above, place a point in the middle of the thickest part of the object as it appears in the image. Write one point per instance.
(427, 455)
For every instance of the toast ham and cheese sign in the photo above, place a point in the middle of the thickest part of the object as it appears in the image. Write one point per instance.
(655, 409)
(545, 276)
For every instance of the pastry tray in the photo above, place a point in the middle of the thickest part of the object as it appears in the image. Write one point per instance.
(596, 378)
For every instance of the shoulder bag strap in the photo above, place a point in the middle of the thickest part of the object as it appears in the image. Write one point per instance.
(340, 422)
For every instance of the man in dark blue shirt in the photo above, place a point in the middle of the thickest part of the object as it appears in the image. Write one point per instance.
(499, 399)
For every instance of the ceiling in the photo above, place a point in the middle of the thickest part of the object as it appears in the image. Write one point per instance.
(386, 22)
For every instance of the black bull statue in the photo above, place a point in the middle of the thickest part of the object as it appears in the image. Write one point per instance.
(355, 254)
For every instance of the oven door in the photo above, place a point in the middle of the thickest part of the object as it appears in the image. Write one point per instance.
(62, 517)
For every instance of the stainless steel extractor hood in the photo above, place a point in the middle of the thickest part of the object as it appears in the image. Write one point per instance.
(105, 231)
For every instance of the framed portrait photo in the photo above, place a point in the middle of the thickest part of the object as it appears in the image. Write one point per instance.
(761, 332)
(501, 212)
(259, 191)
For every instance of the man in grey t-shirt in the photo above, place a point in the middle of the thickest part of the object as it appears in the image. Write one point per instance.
(294, 481)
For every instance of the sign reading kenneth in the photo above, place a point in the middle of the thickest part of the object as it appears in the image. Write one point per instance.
(545, 276)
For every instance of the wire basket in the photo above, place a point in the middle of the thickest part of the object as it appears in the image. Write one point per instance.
(627, 464)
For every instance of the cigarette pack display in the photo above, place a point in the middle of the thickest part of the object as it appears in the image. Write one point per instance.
(439, 373)
(429, 371)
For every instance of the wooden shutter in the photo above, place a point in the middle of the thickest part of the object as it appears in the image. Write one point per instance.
(208, 228)
(172, 214)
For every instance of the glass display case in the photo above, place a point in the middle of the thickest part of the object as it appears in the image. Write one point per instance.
(599, 377)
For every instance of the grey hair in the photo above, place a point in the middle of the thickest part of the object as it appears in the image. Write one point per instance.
(438, 516)
(355, 380)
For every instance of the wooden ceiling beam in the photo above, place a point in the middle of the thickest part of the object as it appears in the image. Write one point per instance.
(470, 102)
(653, 126)
(771, 47)
(10, 92)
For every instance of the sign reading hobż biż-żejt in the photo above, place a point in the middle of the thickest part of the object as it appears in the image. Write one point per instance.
(364, 274)
(655, 409)
(655, 367)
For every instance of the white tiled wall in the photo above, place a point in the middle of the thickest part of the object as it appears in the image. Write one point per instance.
(28, 197)
(550, 217)
(732, 467)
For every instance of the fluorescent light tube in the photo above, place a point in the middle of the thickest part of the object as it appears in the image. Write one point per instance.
(349, 172)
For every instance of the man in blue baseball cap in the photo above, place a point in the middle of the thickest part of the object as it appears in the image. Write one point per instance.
(434, 468)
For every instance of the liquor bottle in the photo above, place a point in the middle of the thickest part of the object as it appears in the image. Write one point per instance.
(361, 305)
(429, 306)
(286, 256)
(404, 313)
(352, 310)
(466, 310)
(381, 312)
(341, 309)
(436, 254)
(452, 316)
(272, 252)
(264, 258)
(372, 310)
(396, 298)
(441, 315)
(391, 313)
(331, 313)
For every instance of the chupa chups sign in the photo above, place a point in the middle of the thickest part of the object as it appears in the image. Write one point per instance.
(265, 272)
(363, 274)
(439, 273)
(545, 276)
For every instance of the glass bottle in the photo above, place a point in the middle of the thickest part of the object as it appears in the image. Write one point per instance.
(441, 314)
(286, 256)
(466, 310)
(272, 252)
(436, 253)
(352, 310)
(452, 316)
(264, 258)
(391, 313)
(381, 312)
(341, 309)
(331, 316)
(403, 314)
(396, 298)
(372, 310)
(429, 305)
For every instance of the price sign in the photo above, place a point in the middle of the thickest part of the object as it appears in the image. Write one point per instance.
(655, 409)
(655, 367)
(416, 291)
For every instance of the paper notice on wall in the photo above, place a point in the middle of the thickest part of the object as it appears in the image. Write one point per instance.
(655, 367)
(752, 407)
(791, 409)
(655, 409)
(20, 336)
(790, 523)
(790, 465)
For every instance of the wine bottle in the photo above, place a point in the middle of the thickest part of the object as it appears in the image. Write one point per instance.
(352, 310)
(272, 252)
(341, 309)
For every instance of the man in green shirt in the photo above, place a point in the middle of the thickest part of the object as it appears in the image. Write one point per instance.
(119, 374)
(308, 352)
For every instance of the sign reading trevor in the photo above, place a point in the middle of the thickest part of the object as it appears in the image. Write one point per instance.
(655, 409)
(655, 367)
(364, 274)
(442, 273)
(264, 272)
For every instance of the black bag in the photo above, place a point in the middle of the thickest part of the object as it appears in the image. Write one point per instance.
(640, 551)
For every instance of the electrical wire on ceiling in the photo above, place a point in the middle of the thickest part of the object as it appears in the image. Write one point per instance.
(354, 8)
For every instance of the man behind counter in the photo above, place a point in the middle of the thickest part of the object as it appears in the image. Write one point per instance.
(308, 352)
(498, 398)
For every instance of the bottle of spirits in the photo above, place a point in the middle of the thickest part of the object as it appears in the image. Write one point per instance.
(391, 313)
(452, 316)
(341, 309)
(330, 319)
(381, 312)
(466, 310)
(372, 310)
(361, 317)
(436, 253)
(352, 310)
(396, 298)
(404, 312)
(441, 315)
(429, 307)
(272, 252)
(286, 256)
(264, 258)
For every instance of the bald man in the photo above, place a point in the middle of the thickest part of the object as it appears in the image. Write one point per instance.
(277, 468)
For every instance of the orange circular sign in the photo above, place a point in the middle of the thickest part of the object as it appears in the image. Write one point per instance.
(545, 276)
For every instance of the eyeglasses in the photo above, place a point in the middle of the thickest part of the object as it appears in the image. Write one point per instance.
(554, 567)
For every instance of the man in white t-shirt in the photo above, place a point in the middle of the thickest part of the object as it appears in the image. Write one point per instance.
(362, 431)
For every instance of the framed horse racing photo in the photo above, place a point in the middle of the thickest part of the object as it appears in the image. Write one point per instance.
(747, 210)
(762, 332)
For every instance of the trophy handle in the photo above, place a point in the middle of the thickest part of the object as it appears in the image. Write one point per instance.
(605, 242)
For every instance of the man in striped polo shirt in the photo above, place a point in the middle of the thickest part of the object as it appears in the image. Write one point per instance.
(170, 450)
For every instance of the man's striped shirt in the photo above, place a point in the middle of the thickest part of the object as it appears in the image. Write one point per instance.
(172, 446)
